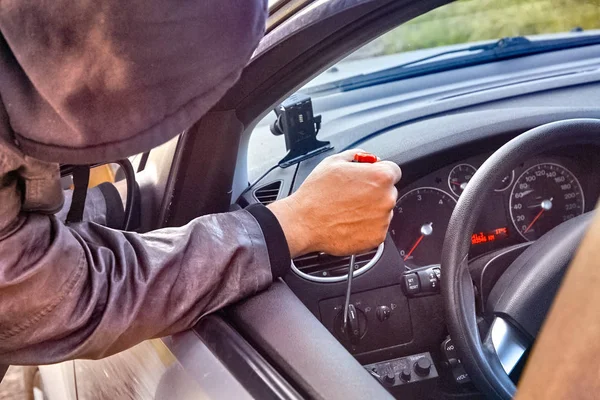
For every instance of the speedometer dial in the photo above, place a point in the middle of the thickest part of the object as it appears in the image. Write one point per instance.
(543, 197)
(420, 221)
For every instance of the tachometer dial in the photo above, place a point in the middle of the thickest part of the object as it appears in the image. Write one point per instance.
(459, 177)
(420, 221)
(543, 197)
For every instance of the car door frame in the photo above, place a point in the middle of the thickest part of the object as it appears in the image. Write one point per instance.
(322, 35)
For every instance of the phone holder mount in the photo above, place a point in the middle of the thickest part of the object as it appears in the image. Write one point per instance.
(297, 123)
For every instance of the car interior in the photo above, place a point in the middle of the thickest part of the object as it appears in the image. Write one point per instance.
(500, 168)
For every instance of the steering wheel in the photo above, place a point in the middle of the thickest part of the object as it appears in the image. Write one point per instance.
(520, 299)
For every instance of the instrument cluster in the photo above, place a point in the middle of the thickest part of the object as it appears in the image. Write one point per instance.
(533, 198)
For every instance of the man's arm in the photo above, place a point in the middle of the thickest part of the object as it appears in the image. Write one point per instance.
(89, 291)
(90, 81)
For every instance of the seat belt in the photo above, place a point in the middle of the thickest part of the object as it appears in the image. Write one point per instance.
(81, 179)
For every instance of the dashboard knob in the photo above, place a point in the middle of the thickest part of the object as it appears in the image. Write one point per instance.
(383, 313)
(405, 374)
(356, 329)
(423, 366)
(353, 328)
(389, 377)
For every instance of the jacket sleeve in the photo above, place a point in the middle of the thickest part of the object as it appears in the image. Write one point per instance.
(87, 291)
(90, 291)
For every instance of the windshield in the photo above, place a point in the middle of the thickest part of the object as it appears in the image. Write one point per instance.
(453, 26)
(467, 22)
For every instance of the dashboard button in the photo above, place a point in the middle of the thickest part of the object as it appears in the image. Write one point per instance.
(429, 281)
(412, 284)
(389, 377)
(405, 374)
(383, 313)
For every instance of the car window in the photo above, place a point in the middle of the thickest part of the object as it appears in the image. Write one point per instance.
(467, 21)
(453, 26)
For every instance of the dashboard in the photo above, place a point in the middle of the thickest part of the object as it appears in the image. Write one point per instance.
(396, 324)
(395, 320)
(533, 198)
(440, 137)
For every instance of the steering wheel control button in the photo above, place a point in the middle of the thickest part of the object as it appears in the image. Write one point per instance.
(405, 374)
(399, 371)
(423, 366)
(452, 362)
(460, 375)
(432, 280)
(411, 284)
(383, 313)
(449, 351)
(427, 281)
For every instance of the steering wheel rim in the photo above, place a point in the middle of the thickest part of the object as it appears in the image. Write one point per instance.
(457, 290)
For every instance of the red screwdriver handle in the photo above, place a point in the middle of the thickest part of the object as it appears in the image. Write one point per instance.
(365, 158)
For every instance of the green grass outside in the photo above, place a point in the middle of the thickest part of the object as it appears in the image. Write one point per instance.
(474, 20)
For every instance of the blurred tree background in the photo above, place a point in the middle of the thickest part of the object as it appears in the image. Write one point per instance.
(475, 20)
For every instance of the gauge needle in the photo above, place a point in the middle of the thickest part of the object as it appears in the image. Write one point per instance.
(546, 205)
(535, 219)
(414, 247)
(426, 230)
(525, 193)
(461, 185)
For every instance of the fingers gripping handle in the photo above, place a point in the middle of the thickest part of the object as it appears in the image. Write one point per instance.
(353, 334)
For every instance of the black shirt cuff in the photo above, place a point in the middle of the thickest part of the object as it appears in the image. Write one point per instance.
(277, 246)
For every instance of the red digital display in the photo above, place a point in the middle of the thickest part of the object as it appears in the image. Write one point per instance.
(489, 236)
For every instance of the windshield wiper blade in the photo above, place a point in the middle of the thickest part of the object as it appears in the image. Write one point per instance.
(505, 48)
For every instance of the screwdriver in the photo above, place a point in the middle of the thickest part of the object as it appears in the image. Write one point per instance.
(367, 158)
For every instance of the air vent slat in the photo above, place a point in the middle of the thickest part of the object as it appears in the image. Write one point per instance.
(268, 193)
(323, 265)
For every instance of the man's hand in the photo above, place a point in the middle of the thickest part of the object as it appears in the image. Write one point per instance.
(342, 207)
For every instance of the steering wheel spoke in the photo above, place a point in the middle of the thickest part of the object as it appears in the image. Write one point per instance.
(508, 344)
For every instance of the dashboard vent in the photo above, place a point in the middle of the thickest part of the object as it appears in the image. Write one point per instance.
(268, 194)
(323, 267)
